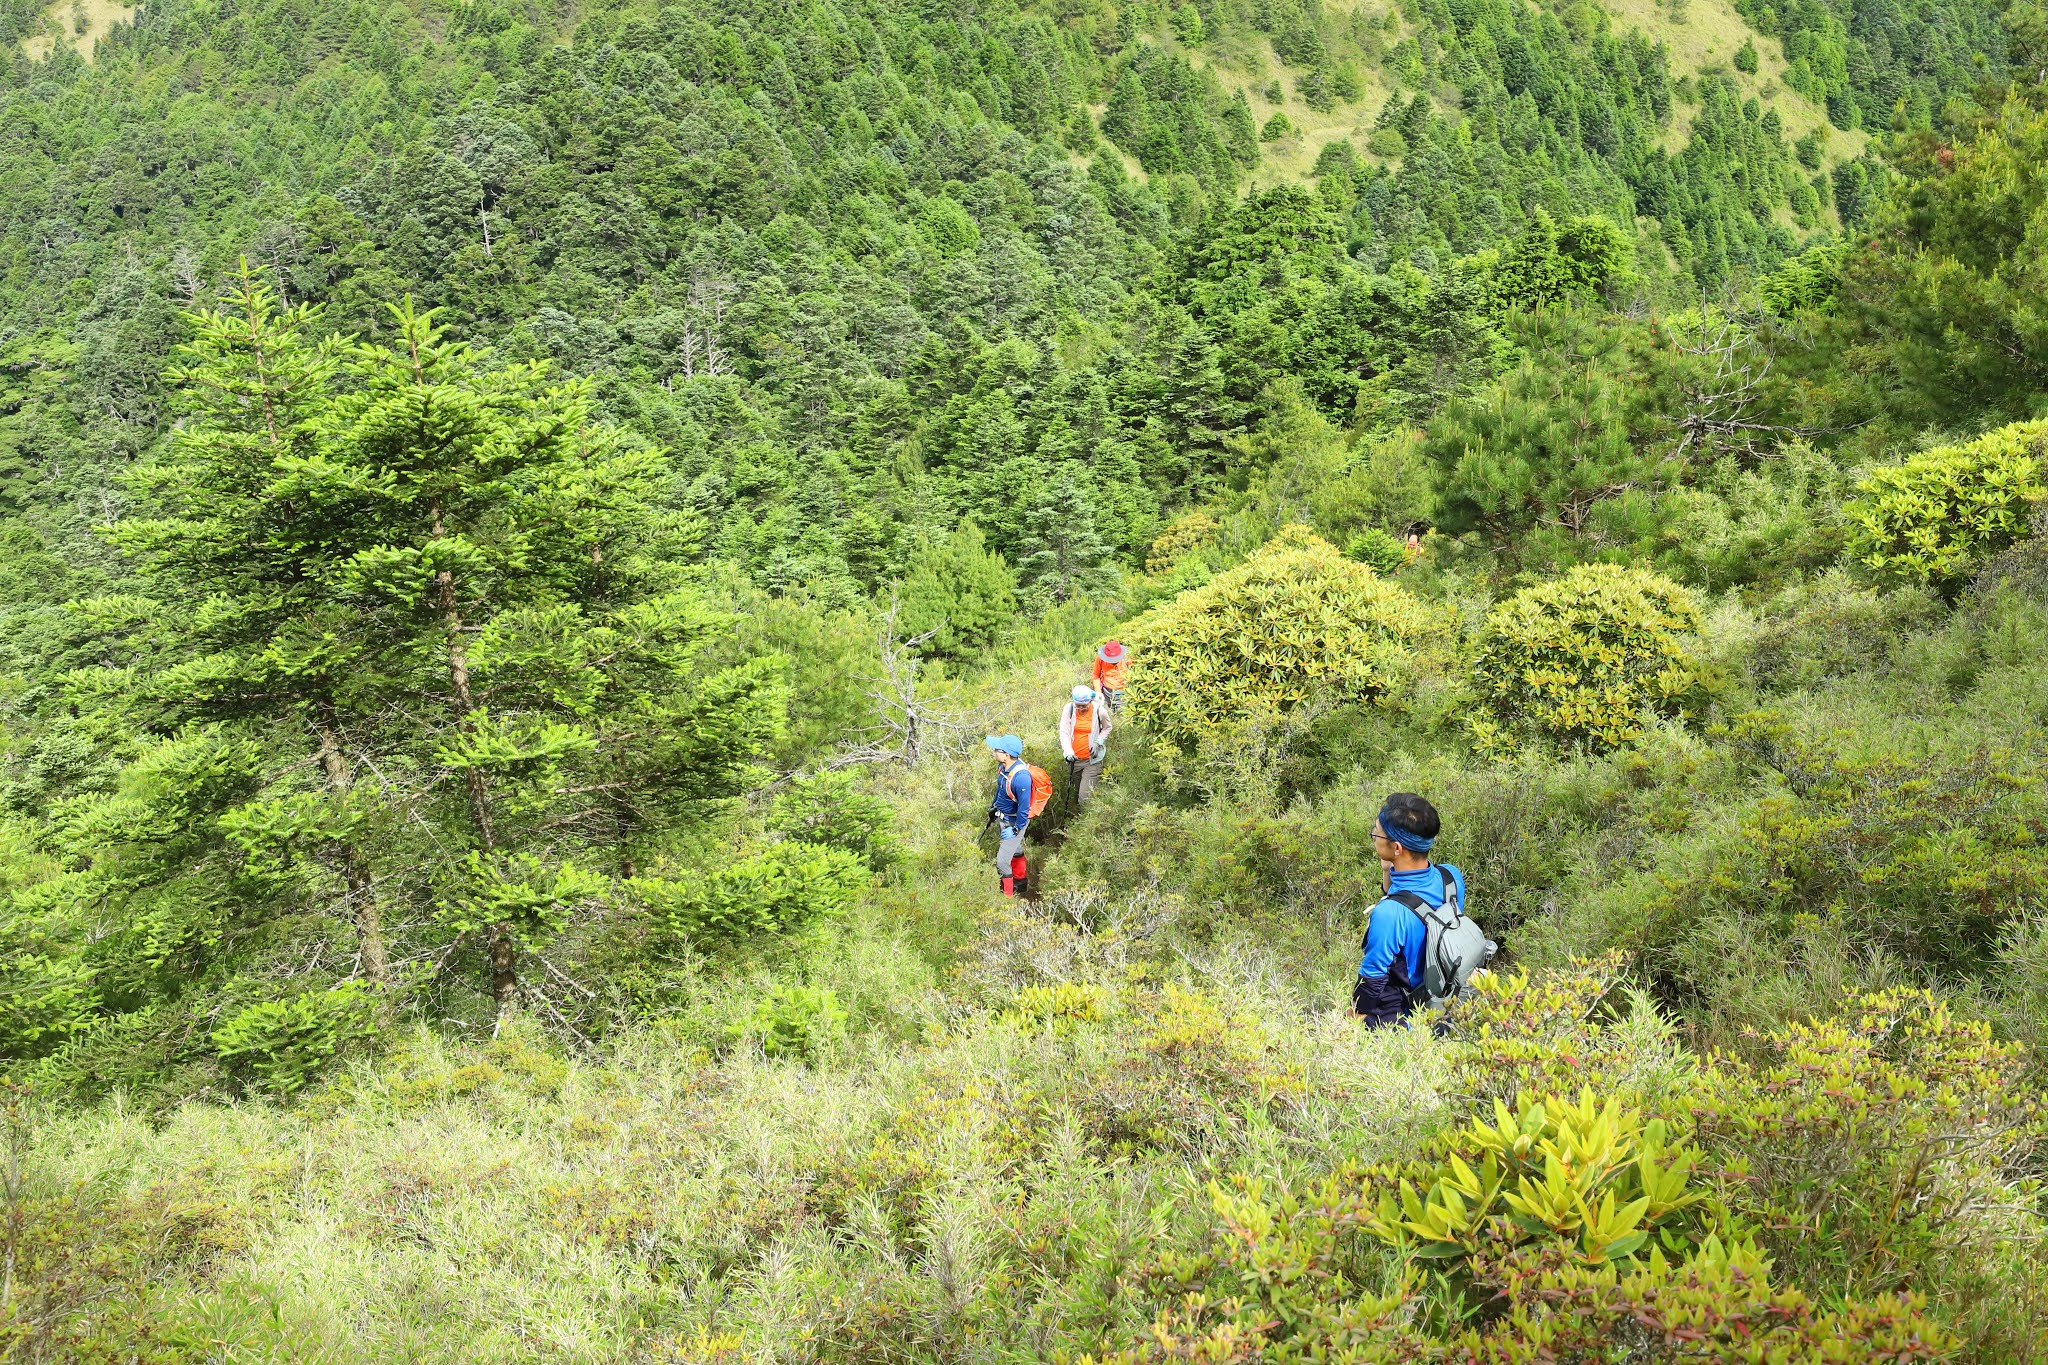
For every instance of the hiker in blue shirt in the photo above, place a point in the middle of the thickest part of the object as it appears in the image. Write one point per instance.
(1396, 935)
(1011, 809)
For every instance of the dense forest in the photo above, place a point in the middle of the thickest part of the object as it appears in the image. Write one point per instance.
(517, 520)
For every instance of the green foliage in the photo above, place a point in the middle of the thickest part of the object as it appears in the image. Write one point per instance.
(1591, 1182)
(780, 888)
(1933, 519)
(1293, 622)
(1377, 550)
(1745, 57)
(827, 809)
(1580, 659)
(1562, 451)
(951, 231)
(285, 1043)
(961, 594)
(1876, 1134)
(794, 1021)
(1550, 264)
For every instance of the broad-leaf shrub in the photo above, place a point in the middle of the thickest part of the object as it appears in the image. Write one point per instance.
(1183, 535)
(284, 1043)
(1287, 1276)
(1601, 1228)
(1296, 620)
(779, 888)
(1877, 1143)
(1581, 658)
(1592, 1182)
(1932, 519)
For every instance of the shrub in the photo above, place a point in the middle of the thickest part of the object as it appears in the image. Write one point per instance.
(1276, 128)
(1933, 518)
(827, 810)
(1063, 1004)
(775, 890)
(1377, 550)
(1284, 1276)
(1745, 58)
(794, 1021)
(1582, 657)
(285, 1043)
(1879, 1145)
(1188, 532)
(1296, 620)
(1387, 142)
(1586, 1184)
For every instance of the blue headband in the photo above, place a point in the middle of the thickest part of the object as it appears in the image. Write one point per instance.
(1407, 839)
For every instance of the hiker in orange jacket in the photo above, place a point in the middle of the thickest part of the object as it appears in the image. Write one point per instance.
(1110, 663)
(1084, 731)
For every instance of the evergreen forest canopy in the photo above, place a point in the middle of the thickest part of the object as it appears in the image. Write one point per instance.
(517, 519)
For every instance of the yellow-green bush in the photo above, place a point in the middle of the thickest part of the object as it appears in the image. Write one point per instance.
(1931, 519)
(1296, 620)
(1581, 657)
(1592, 1182)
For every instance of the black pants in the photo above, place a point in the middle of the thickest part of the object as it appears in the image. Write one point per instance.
(1382, 1000)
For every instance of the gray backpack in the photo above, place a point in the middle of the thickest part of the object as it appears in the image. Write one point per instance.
(1456, 948)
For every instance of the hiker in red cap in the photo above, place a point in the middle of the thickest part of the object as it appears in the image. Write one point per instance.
(1110, 661)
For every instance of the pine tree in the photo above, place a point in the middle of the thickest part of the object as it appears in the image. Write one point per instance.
(241, 553)
(960, 594)
(450, 573)
(1063, 554)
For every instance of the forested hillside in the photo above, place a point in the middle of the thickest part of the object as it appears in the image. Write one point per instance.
(517, 521)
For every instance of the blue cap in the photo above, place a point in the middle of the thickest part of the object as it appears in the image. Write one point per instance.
(1006, 744)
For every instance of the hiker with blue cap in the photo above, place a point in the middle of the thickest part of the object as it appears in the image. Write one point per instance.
(1420, 947)
(1021, 792)
(1084, 732)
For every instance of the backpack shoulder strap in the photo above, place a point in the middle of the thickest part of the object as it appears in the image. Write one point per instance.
(1431, 915)
(1451, 896)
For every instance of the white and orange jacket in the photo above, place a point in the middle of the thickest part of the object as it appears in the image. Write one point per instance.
(1083, 730)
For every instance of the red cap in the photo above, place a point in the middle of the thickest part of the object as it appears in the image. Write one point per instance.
(1111, 651)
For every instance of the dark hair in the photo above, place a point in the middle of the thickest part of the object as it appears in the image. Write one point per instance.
(1414, 814)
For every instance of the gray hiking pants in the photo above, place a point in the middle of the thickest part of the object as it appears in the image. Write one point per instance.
(1012, 846)
(1086, 775)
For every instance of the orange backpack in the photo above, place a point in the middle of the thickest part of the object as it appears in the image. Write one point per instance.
(1041, 789)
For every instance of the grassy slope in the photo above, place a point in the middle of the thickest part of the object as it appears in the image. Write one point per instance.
(1706, 41)
(60, 24)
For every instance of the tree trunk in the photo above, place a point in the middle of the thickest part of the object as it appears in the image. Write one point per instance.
(504, 961)
(362, 891)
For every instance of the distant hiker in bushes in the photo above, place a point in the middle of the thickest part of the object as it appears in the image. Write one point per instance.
(1110, 663)
(1021, 792)
(1420, 946)
(1084, 730)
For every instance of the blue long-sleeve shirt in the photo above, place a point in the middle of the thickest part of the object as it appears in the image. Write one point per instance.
(1395, 938)
(1013, 796)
